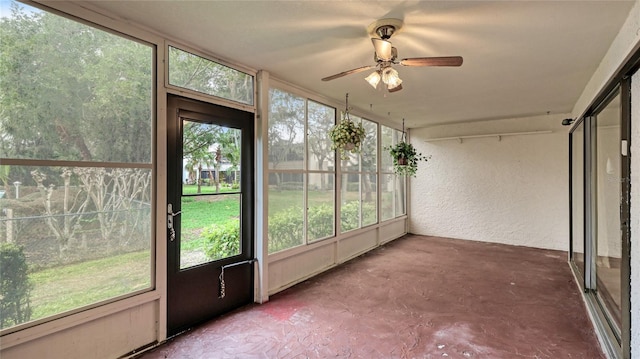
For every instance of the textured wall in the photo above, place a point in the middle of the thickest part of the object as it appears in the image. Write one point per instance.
(635, 216)
(512, 190)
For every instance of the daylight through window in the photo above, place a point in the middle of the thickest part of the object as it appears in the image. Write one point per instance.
(75, 165)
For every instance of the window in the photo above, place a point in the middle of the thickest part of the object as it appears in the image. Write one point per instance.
(302, 170)
(75, 166)
(286, 175)
(202, 75)
(392, 196)
(359, 182)
(320, 172)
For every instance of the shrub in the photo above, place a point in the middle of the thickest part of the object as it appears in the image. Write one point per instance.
(350, 215)
(290, 186)
(353, 187)
(286, 226)
(222, 240)
(15, 289)
(320, 221)
(285, 229)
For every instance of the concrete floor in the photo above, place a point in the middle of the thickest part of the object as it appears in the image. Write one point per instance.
(417, 297)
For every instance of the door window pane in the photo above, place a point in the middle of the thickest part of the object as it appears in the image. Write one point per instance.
(199, 74)
(210, 225)
(210, 228)
(77, 234)
(577, 196)
(608, 236)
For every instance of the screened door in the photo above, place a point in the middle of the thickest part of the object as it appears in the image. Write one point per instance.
(209, 211)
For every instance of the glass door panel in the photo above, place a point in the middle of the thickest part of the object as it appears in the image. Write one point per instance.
(577, 198)
(211, 195)
(608, 243)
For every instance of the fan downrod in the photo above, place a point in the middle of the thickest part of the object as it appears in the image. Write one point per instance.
(385, 31)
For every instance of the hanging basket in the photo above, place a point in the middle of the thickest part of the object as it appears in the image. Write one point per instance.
(347, 136)
(405, 157)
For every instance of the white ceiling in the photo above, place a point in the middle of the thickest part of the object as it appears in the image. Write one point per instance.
(520, 58)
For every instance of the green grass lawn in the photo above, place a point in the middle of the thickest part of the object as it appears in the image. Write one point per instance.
(59, 289)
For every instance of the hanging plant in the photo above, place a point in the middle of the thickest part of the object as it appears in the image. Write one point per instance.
(347, 136)
(405, 157)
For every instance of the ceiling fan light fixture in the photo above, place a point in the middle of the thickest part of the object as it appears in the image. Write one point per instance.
(393, 84)
(373, 79)
(394, 89)
(390, 77)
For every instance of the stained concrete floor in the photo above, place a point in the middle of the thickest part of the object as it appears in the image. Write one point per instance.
(417, 297)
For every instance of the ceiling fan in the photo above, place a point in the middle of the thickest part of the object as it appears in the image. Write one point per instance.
(385, 55)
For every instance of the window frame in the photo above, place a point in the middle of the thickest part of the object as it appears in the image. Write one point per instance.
(338, 173)
(178, 90)
(67, 318)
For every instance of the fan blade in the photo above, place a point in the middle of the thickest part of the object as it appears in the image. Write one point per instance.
(349, 72)
(432, 61)
(383, 49)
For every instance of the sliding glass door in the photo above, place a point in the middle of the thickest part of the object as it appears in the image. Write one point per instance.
(606, 205)
(598, 246)
(577, 180)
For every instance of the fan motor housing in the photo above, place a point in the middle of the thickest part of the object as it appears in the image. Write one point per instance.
(384, 28)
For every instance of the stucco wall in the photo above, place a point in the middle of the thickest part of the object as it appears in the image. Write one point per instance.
(512, 189)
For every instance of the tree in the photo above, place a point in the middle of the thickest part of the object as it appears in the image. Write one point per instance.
(203, 75)
(66, 85)
(197, 142)
(320, 120)
(230, 143)
(15, 288)
(286, 128)
(65, 222)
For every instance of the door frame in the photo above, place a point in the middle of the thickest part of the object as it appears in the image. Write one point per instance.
(614, 346)
(238, 268)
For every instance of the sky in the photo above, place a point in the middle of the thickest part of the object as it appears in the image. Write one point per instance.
(5, 7)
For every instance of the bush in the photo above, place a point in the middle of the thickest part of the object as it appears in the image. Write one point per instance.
(353, 187)
(222, 241)
(290, 186)
(15, 289)
(350, 214)
(285, 229)
(320, 221)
